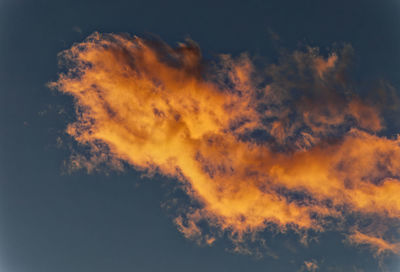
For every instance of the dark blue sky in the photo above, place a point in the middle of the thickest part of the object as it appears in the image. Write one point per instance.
(52, 221)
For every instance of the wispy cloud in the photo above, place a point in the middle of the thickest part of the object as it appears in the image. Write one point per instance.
(376, 244)
(288, 145)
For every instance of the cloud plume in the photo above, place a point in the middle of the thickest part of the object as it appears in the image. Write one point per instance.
(289, 145)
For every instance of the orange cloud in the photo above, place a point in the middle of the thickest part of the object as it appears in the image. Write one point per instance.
(377, 244)
(290, 152)
(322, 65)
(311, 266)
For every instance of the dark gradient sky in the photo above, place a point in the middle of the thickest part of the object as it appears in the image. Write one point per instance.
(55, 222)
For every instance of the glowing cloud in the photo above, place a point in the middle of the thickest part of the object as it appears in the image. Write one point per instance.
(377, 244)
(290, 147)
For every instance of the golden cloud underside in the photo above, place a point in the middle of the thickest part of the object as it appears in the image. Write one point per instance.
(154, 107)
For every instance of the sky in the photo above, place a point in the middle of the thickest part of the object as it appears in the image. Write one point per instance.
(199, 136)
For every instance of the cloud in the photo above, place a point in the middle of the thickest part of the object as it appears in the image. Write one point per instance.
(376, 244)
(311, 266)
(290, 145)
